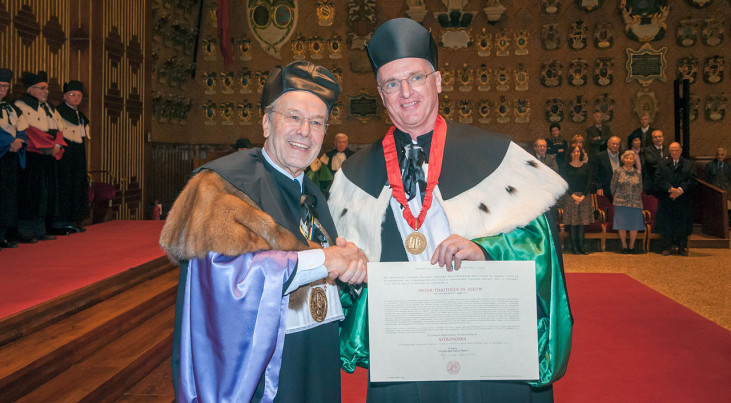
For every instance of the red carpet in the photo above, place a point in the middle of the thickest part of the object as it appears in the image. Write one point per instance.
(35, 273)
(631, 344)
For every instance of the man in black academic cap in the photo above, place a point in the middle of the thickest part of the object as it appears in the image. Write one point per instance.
(38, 181)
(482, 197)
(73, 182)
(12, 159)
(258, 310)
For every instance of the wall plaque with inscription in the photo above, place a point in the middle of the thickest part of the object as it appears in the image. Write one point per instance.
(363, 107)
(646, 64)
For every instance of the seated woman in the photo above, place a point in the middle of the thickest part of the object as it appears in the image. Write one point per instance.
(577, 208)
(627, 190)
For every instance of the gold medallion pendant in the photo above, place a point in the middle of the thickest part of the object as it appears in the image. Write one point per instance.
(415, 243)
(318, 304)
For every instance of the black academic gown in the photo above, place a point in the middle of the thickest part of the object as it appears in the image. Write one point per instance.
(310, 370)
(73, 182)
(462, 169)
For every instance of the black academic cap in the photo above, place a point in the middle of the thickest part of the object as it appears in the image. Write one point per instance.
(400, 38)
(6, 75)
(73, 85)
(242, 143)
(31, 79)
(300, 75)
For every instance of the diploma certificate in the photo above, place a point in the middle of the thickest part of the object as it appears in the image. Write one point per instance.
(476, 323)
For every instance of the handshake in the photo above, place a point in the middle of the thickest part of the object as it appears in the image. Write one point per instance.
(346, 262)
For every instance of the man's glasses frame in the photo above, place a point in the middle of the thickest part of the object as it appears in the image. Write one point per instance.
(414, 80)
(296, 118)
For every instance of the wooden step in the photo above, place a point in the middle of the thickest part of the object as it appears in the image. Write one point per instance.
(156, 387)
(28, 321)
(32, 360)
(104, 375)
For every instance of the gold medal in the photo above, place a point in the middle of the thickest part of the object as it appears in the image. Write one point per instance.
(415, 243)
(318, 304)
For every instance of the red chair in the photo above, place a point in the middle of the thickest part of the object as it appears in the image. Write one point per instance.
(649, 211)
(605, 207)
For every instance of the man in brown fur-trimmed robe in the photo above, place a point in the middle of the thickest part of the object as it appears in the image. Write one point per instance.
(258, 310)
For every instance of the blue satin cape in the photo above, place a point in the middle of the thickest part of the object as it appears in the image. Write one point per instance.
(232, 325)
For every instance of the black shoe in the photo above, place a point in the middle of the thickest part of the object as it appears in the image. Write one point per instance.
(8, 244)
(73, 229)
(60, 231)
(625, 251)
(683, 251)
(46, 237)
(27, 239)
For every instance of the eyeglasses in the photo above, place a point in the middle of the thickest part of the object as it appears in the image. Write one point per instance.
(414, 80)
(295, 119)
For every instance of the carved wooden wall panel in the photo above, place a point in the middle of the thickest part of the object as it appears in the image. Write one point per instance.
(122, 134)
(33, 36)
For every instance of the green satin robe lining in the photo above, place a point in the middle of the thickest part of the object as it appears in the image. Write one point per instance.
(532, 242)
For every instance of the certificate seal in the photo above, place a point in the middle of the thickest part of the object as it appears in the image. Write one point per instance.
(453, 367)
(318, 304)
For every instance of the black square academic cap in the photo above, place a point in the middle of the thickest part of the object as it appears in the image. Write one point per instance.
(6, 75)
(400, 38)
(73, 85)
(300, 75)
(31, 79)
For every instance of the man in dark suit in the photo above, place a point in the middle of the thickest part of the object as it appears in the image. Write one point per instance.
(606, 162)
(653, 155)
(675, 179)
(540, 148)
(718, 172)
(598, 134)
(644, 131)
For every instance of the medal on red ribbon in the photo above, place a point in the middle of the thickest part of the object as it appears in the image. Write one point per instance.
(415, 243)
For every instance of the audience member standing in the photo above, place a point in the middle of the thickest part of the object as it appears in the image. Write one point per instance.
(577, 140)
(38, 182)
(556, 145)
(577, 207)
(540, 152)
(12, 159)
(627, 190)
(675, 179)
(607, 162)
(653, 155)
(598, 134)
(644, 131)
(634, 143)
(73, 182)
(323, 169)
(718, 172)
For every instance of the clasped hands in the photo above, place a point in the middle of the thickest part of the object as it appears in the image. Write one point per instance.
(346, 262)
(675, 192)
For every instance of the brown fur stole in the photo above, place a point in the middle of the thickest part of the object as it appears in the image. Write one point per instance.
(211, 215)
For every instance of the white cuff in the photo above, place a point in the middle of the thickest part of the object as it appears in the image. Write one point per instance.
(310, 267)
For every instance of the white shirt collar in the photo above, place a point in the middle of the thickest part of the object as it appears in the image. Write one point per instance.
(299, 177)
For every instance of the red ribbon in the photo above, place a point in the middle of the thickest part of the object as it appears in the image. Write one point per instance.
(435, 168)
